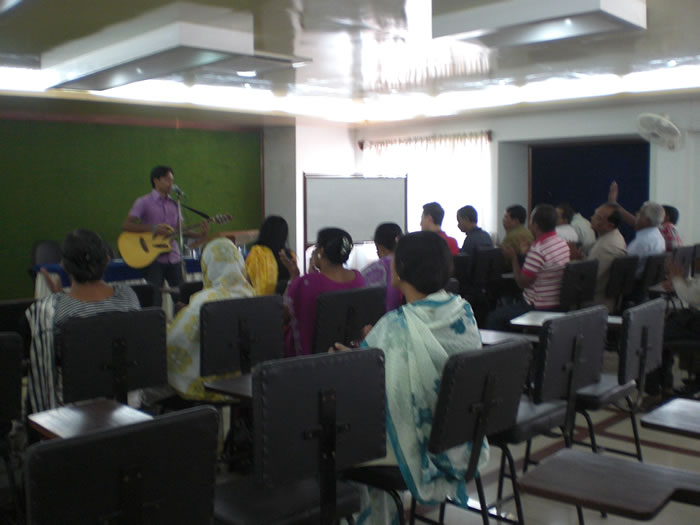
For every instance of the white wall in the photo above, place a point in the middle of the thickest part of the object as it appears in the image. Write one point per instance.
(320, 150)
(673, 175)
(279, 175)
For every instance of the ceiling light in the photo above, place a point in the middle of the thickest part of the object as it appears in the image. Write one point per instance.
(520, 22)
(246, 74)
(8, 4)
(297, 65)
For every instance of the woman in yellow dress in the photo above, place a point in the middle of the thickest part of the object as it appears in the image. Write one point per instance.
(224, 278)
(263, 264)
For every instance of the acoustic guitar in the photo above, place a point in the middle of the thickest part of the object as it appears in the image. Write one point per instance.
(139, 249)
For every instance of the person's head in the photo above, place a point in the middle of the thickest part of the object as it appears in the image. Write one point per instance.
(423, 261)
(162, 178)
(514, 216)
(467, 218)
(649, 215)
(273, 233)
(333, 247)
(386, 236)
(606, 218)
(543, 219)
(672, 214)
(432, 216)
(564, 213)
(223, 266)
(85, 256)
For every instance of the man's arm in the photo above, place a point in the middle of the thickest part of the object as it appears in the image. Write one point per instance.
(628, 217)
(522, 280)
(134, 224)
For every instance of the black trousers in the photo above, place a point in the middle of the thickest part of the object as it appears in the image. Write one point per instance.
(157, 273)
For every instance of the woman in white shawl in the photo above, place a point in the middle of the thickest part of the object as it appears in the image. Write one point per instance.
(417, 339)
(223, 271)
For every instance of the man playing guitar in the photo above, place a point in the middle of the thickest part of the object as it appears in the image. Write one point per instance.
(158, 213)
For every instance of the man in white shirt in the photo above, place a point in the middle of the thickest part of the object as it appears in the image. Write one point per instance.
(564, 230)
(648, 240)
(584, 229)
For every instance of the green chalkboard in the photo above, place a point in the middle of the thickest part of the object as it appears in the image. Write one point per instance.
(57, 176)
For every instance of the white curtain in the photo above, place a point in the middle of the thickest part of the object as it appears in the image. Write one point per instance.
(454, 170)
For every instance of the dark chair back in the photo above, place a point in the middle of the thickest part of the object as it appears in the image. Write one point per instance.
(489, 265)
(159, 471)
(12, 319)
(46, 252)
(145, 293)
(452, 286)
(11, 349)
(654, 271)
(479, 395)
(463, 265)
(578, 284)
(642, 340)
(340, 316)
(311, 417)
(575, 339)
(684, 256)
(696, 260)
(111, 353)
(237, 334)
(621, 282)
(188, 289)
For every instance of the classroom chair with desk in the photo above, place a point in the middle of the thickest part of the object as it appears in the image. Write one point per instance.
(308, 423)
(479, 395)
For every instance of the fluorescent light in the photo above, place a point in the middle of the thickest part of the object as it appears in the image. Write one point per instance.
(297, 65)
(22, 79)
(246, 74)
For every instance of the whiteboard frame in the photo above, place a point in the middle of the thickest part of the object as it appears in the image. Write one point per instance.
(308, 176)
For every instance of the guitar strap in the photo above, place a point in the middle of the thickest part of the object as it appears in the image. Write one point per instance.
(200, 213)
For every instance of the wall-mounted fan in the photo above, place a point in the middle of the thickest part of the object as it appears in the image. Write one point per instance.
(660, 130)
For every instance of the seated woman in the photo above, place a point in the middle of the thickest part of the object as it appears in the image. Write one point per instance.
(417, 339)
(378, 273)
(263, 264)
(85, 260)
(223, 273)
(327, 274)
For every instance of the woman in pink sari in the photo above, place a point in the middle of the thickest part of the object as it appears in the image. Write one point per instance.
(333, 247)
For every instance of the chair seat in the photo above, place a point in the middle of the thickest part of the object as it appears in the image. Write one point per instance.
(245, 502)
(533, 419)
(603, 393)
(386, 477)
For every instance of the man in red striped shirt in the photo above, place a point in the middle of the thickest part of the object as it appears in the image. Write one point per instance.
(541, 274)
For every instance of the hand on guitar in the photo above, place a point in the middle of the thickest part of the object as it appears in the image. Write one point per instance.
(162, 229)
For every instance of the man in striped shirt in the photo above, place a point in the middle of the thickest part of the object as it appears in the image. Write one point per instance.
(541, 274)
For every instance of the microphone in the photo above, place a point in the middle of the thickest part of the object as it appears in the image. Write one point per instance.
(178, 191)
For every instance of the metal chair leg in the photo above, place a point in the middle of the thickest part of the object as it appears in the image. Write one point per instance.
(513, 479)
(501, 473)
(635, 430)
(526, 462)
(412, 517)
(591, 430)
(482, 501)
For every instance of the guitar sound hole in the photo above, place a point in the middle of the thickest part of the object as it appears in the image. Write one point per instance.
(144, 246)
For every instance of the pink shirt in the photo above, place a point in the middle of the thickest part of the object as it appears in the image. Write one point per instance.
(545, 261)
(154, 209)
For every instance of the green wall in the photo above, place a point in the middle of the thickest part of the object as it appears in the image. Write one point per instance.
(57, 176)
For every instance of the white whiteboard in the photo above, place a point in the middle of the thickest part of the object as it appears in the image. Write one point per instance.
(355, 204)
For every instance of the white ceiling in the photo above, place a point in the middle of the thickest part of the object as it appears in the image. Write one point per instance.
(360, 49)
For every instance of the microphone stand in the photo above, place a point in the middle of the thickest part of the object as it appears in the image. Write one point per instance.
(183, 269)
